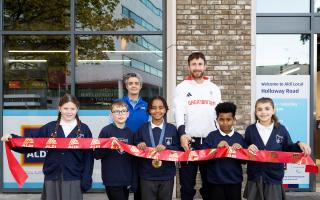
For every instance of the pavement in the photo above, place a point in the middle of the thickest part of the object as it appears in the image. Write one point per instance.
(103, 196)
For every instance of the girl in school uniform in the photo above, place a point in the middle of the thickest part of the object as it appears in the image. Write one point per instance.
(265, 179)
(67, 172)
(157, 177)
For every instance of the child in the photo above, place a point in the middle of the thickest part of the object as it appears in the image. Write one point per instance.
(67, 173)
(265, 179)
(157, 178)
(117, 166)
(225, 174)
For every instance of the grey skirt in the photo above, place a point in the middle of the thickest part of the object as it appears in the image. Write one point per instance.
(257, 190)
(62, 190)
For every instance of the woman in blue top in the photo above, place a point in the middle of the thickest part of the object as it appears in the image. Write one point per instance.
(265, 179)
(67, 172)
(137, 107)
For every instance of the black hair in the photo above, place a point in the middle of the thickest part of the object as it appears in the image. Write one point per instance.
(66, 99)
(226, 107)
(274, 117)
(196, 55)
(157, 98)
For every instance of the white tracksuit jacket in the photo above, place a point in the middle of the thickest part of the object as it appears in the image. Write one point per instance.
(194, 106)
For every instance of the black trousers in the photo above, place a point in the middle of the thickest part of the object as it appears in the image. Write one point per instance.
(156, 190)
(225, 191)
(188, 172)
(117, 192)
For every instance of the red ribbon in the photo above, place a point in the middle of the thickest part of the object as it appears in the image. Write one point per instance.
(169, 155)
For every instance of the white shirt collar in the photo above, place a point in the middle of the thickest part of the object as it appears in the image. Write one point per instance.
(67, 127)
(229, 134)
(159, 126)
(72, 123)
(260, 126)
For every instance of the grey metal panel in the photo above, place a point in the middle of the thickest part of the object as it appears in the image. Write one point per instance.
(283, 24)
(164, 51)
(72, 47)
(316, 24)
(82, 32)
(1, 112)
(313, 102)
(284, 14)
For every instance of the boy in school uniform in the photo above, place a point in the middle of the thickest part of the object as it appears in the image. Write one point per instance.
(225, 174)
(117, 167)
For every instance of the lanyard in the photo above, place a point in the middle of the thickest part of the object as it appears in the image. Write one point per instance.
(161, 135)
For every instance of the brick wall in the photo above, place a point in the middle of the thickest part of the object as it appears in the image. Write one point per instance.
(221, 29)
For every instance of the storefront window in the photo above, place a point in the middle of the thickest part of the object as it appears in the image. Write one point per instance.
(114, 15)
(81, 47)
(36, 15)
(283, 6)
(36, 71)
(103, 60)
(317, 6)
(283, 54)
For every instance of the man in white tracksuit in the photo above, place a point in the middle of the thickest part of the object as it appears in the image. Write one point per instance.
(194, 108)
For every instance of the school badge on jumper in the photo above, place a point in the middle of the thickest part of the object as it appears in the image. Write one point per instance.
(168, 140)
(279, 139)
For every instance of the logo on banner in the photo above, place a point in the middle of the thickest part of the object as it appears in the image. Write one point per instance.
(34, 158)
(193, 156)
(95, 143)
(252, 156)
(273, 157)
(231, 153)
(173, 156)
(134, 149)
(296, 158)
(73, 144)
(115, 144)
(28, 142)
(51, 143)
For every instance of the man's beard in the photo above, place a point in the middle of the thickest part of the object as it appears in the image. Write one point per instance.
(196, 74)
